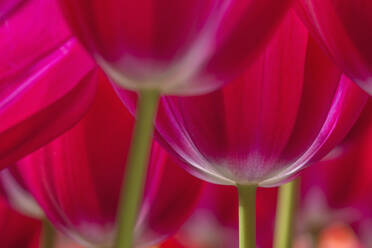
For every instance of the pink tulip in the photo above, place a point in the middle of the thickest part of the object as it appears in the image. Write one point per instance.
(344, 30)
(177, 47)
(214, 222)
(334, 196)
(18, 230)
(287, 110)
(76, 178)
(45, 78)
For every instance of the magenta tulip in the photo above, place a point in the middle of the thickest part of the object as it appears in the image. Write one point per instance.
(76, 178)
(176, 47)
(45, 78)
(344, 30)
(18, 230)
(287, 110)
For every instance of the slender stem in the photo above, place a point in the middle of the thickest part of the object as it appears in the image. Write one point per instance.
(48, 235)
(247, 216)
(132, 189)
(285, 215)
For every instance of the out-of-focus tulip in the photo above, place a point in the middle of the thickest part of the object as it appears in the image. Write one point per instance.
(173, 243)
(214, 222)
(338, 236)
(176, 47)
(344, 30)
(45, 77)
(18, 230)
(14, 192)
(266, 126)
(76, 178)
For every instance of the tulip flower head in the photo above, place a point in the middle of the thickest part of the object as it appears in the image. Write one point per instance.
(177, 47)
(343, 28)
(76, 179)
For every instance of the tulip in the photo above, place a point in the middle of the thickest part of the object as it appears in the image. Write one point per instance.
(338, 236)
(264, 127)
(343, 28)
(76, 178)
(214, 222)
(334, 197)
(18, 230)
(183, 47)
(168, 47)
(45, 78)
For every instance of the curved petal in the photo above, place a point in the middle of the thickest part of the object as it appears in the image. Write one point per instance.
(335, 188)
(45, 101)
(45, 33)
(343, 29)
(45, 84)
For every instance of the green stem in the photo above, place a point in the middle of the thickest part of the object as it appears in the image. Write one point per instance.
(48, 235)
(247, 216)
(132, 188)
(285, 215)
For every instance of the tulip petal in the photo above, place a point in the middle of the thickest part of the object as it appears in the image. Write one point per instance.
(343, 29)
(44, 79)
(43, 102)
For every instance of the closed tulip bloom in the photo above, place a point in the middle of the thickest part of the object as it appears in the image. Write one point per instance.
(18, 230)
(287, 110)
(343, 28)
(45, 78)
(76, 178)
(176, 47)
